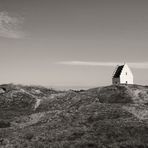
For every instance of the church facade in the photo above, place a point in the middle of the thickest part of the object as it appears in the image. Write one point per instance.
(122, 75)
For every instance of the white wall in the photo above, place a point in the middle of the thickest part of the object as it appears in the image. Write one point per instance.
(126, 76)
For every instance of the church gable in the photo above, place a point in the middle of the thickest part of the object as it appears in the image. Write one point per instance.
(123, 75)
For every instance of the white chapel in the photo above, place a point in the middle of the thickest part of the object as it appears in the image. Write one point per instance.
(122, 75)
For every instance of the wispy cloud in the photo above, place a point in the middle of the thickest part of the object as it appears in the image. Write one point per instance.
(10, 26)
(142, 65)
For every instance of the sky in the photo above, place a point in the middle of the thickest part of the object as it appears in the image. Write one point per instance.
(72, 43)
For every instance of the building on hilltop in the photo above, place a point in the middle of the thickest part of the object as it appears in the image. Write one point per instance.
(122, 75)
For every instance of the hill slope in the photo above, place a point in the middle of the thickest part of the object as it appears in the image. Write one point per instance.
(104, 117)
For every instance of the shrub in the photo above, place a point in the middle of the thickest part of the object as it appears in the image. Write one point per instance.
(4, 124)
(28, 135)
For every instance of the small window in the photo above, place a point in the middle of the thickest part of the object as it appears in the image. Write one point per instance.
(126, 73)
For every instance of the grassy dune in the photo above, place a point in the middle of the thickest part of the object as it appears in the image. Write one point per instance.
(104, 117)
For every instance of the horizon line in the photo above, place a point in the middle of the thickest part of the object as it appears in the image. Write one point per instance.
(137, 65)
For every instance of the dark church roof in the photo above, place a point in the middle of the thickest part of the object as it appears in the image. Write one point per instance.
(118, 71)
